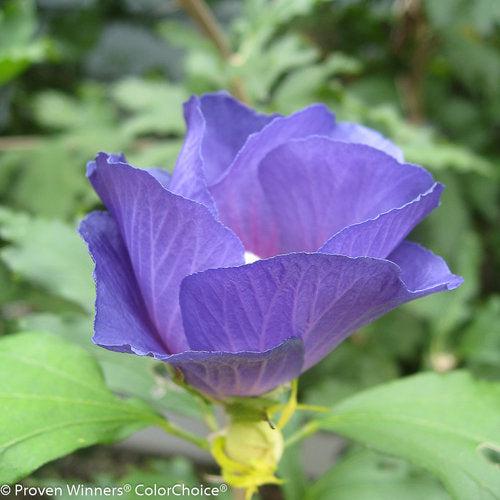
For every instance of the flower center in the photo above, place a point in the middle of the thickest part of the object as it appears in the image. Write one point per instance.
(251, 257)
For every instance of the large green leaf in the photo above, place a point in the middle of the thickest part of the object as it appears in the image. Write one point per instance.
(54, 401)
(366, 475)
(448, 424)
(48, 253)
(132, 376)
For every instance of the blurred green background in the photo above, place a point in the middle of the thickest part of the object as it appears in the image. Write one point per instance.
(80, 76)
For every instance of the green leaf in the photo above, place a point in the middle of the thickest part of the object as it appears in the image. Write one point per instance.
(18, 49)
(60, 111)
(88, 123)
(54, 401)
(481, 341)
(304, 84)
(51, 167)
(482, 70)
(162, 153)
(132, 376)
(156, 106)
(444, 423)
(365, 475)
(48, 253)
(262, 67)
(291, 468)
(182, 35)
(355, 365)
(159, 473)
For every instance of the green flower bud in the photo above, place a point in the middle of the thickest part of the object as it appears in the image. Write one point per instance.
(254, 444)
(248, 453)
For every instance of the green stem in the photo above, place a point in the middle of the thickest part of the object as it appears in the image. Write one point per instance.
(204, 401)
(210, 420)
(174, 430)
(315, 408)
(308, 429)
(290, 406)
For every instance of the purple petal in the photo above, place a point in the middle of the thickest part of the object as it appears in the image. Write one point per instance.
(422, 271)
(239, 196)
(161, 175)
(223, 374)
(217, 128)
(240, 308)
(315, 187)
(352, 132)
(228, 124)
(317, 297)
(189, 179)
(121, 323)
(379, 236)
(167, 237)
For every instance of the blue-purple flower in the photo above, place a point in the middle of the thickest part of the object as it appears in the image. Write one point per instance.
(324, 206)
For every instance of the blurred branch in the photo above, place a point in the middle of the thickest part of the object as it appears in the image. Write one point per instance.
(29, 142)
(15, 143)
(203, 16)
(208, 24)
(413, 30)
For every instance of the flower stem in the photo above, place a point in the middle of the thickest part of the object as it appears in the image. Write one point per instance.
(203, 400)
(208, 24)
(174, 430)
(308, 429)
(290, 406)
(315, 408)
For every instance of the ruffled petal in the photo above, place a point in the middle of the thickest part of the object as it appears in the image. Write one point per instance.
(239, 196)
(315, 187)
(167, 237)
(352, 132)
(319, 298)
(228, 124)
(378, 237)
(217, 127)
(224, 374)
(189, 179)
(121, 321)
(422, 271)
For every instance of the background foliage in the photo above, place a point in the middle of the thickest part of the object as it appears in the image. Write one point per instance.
(79, 76)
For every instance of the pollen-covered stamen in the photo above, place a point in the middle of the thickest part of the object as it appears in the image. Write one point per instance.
(250, 257)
